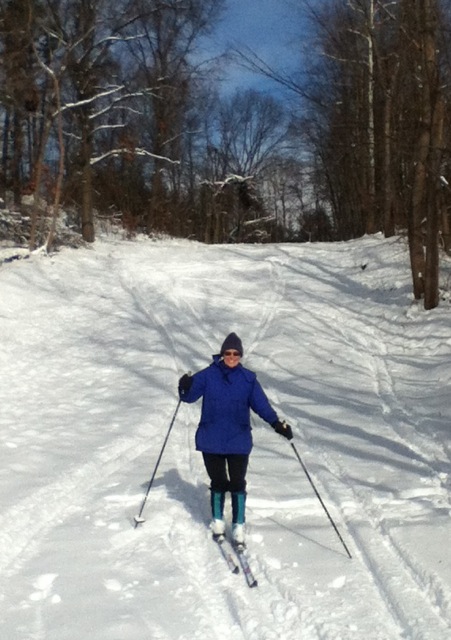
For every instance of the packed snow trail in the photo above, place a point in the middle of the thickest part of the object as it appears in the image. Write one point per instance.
(93, 343)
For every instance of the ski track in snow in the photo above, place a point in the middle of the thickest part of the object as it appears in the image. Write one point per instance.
(187, 315)
(240, 623)
(26, 522)
(421, 606)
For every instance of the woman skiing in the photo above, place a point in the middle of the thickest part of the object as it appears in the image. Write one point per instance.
(228, 392)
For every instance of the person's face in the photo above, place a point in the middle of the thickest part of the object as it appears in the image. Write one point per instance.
(231, 358)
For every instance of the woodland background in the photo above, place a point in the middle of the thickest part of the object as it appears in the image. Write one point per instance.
(114, 111)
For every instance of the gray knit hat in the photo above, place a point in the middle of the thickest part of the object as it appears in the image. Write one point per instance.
(232, 342)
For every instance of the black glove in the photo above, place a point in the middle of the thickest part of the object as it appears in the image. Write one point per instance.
(283, 429)
(185, 383)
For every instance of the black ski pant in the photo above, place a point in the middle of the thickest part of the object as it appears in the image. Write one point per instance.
(226, 472)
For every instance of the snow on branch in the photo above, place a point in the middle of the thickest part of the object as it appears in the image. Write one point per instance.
(230, 179)
(258, 221)
(136, 152)
(103, 94)
(114, 103)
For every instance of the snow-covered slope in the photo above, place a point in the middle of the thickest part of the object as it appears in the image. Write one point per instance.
(93, 342)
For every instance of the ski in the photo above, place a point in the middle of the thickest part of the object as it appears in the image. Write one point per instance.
(244, 562)
(227, 553)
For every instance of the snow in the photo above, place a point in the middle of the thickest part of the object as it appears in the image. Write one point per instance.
(93, 342)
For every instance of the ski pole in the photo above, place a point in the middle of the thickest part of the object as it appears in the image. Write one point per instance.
(320, 499)
(139, 519)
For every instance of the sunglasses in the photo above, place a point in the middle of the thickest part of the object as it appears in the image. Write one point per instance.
(237, 354)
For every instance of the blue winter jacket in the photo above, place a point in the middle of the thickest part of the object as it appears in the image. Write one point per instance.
(227, 395)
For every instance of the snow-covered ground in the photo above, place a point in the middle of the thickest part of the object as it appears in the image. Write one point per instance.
(93, 342)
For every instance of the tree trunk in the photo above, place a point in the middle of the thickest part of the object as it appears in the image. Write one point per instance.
(425, 202)
(415, 232)
(388, 213)
(445, 227)
(421, 206)
(61, 162)
(87, 218)
(36, 180)
(431, 293)
(371, 222)
(17, 158)
(155, 215)
(5, 147)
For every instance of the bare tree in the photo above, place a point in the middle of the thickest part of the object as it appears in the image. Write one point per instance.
(375, 104)
(19, 96)
(163, 59)
(421, 28)
(252, 126)
(251, 130)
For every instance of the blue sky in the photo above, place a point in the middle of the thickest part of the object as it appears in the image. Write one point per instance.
(268, 27)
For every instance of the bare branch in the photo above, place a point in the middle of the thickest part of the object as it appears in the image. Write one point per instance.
(136, 152)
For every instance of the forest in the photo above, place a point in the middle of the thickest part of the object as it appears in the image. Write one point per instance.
(110, 111)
